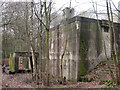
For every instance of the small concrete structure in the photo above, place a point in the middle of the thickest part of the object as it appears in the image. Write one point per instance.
(23, 60)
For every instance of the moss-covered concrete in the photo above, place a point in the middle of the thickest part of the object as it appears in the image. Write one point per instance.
(11, 63)
(84, 38)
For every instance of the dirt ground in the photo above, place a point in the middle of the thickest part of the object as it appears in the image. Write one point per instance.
(15, 81)
(24, 81)
(20, 81)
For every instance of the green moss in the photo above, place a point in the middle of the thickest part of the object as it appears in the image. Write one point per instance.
(85, 79)
(83, 67)
(83, 54)
(109, 83)
(11, 63)
(83, 62)
(84, 38)
(83, 51)
(118, 54)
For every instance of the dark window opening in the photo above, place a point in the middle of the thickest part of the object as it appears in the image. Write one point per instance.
(106, 29)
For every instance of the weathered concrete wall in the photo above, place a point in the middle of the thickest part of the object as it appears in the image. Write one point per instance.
(85, 46)
(117, 34)
(60, 35)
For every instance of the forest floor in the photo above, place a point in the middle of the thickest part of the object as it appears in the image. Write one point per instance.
(24, 81)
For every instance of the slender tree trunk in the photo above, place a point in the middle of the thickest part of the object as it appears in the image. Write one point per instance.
(113, 42)
(58, 53)
(47, 17)
(41, 27)
(62, 56)
(40, 42)
(32, 44)
(30, 39)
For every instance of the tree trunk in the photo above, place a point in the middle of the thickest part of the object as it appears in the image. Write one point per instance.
(113, 42)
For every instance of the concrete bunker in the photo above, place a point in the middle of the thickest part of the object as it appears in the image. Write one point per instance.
(85, 45)
(21, 61)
